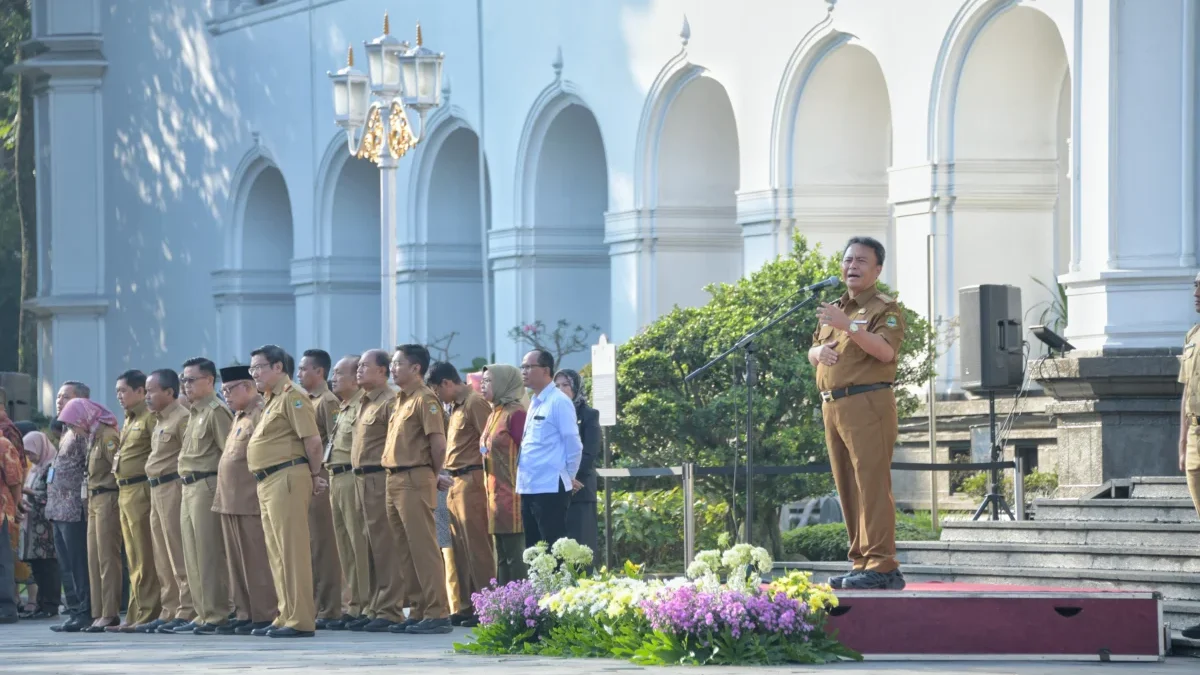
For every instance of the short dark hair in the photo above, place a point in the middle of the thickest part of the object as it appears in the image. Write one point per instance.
(442, 371)
(272, 353)
(320, 358)
(871, 242)
(289, 364)
(380, 360)
(57, 426)
(417, 354)
(544, 358)
(134, 379)
(167, 379)
(207, 367)
(81, 390)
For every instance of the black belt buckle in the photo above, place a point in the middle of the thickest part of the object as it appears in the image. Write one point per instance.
(100, 491)
(262, 475)
(455, 473)
(155, 482)
(365, 470)
(398, 469)
(126, 482)
(197, 477)
(339, 469)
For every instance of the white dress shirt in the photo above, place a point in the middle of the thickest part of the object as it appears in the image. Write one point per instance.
(550, 447)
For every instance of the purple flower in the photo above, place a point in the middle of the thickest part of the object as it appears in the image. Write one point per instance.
(687, 609)
(513, 603)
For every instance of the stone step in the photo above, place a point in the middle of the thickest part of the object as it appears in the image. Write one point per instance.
(1181, 614)
(1159, 487)
(1116, 510)
(1041, 556)
(1150, 535)
(1174, 587)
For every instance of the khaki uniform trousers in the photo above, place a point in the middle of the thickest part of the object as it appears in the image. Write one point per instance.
(283, 499)
(388, 592)
(250, 580)
(104, 554)
(474, 561)
(204, 552)
(860, 431)
(326, 565)
(145, 603)
(1192, 466)
(451, 578)
(411, 501)
(350, 531)
(165, 505)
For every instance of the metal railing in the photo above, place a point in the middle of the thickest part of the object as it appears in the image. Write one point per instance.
(689, 471)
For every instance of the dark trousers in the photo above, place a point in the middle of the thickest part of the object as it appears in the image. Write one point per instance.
(583, 526)
(70, 544)
(8, 572)
(545, 516)
(45, 574)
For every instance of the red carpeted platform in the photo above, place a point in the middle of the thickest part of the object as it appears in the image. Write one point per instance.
(977, 621)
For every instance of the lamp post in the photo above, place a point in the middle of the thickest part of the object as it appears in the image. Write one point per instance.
(372, 108)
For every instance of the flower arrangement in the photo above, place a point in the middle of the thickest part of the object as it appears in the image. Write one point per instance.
(719, 613)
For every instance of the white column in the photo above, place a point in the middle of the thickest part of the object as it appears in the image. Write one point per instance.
(388, 214)
(72, 296)
(1137, 215)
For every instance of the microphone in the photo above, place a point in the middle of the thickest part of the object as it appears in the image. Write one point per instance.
(822, 285)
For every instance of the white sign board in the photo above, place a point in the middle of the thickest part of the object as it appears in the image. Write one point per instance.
(604, 381)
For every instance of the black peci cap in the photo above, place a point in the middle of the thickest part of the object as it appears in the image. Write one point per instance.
(235, 373)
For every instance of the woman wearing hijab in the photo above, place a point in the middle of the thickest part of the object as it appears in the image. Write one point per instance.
(37, 535)
(582, 525)
(501, 446)
(90, 420)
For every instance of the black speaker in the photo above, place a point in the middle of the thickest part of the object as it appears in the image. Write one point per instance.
(989, 338)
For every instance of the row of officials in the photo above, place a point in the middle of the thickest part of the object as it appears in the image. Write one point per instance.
(282, 506)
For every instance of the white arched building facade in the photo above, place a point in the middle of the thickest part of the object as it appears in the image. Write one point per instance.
(195, 197)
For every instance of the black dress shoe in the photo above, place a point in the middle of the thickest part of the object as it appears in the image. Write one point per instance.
(380, 625)
(187, 628)
(230, 627)
(249, 627)
(359, 624)
(1192, 633)
(74, 625)
(264, 631)
(149, 627)
(100, 629)
(207, 628)
(403, 626)
(169, 627)
(289, 632)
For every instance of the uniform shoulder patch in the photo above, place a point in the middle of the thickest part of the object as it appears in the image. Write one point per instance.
(214, 404)
(297, 404)
(433, 408)
(886, 299)
(110, 445)
(892, 321)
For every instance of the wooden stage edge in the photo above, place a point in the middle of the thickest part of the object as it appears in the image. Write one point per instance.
(978, 622)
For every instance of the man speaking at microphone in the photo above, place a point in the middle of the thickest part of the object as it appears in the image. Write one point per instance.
(855, 350)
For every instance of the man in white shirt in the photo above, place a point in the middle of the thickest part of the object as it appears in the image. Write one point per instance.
(550, 453)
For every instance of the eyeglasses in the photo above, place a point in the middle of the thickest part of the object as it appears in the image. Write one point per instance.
(255, 367)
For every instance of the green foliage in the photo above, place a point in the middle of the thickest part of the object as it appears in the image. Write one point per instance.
(648, 527)
(828, 542)
(14, 29)
(665, 421)
(1037, 484)
(1050, 313)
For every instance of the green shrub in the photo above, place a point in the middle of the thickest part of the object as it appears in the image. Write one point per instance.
(1037, 484)
(648, 527)
(828, 542)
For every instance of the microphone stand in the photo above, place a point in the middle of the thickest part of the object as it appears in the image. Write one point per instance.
(746, 344)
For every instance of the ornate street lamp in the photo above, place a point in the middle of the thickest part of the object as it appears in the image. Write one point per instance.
(371, 108)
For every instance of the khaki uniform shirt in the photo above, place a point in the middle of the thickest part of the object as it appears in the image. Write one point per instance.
(134, 448)
(1189, 364)
(101, 455)
(325, 405)
(418, 415)
(468, 420)
(204, 438)
(873, 312)
(288, 419)
(167, 441)
(371, 427)
(342, 444)
(237, 491)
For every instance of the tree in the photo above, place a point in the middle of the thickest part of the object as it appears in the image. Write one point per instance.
(18, 272)
(563, 341)
(665, 421)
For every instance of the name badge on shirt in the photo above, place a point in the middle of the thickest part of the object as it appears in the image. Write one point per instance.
(116, 462)
(83, 491)
(328, 452)
(50, 475)
(861, 322)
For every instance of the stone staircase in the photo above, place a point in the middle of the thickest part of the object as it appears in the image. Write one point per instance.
(1135, 534)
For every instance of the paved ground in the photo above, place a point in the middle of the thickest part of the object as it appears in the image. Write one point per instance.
(31, 648)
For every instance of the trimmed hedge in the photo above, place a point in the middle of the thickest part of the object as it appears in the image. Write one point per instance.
(829, 542)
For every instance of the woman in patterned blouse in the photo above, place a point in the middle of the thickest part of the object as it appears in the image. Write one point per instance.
(501, 446)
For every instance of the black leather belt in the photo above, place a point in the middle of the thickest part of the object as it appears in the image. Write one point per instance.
(126, 482)
(364, 470)
(401, 469)
(338, 469)
(835, 394)
(100, 491)
(260, 476)
(190, 478)
(455, 473)
(155, 482)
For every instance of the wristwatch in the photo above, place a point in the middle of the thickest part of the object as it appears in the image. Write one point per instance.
(853, 327)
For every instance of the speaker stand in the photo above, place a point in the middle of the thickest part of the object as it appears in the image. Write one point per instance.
(993, 496)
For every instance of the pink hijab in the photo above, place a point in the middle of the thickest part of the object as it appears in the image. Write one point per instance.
(41, 451)
(88, 414)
